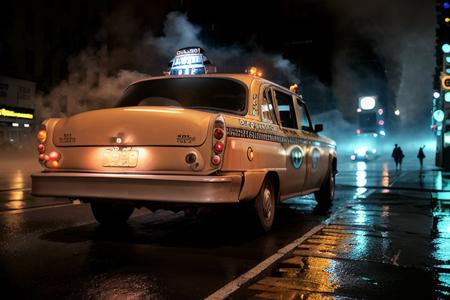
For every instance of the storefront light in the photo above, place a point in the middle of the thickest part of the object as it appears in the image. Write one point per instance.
(15, 124)
(26, 125)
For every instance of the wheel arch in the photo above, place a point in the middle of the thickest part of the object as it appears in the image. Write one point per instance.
(253, 180)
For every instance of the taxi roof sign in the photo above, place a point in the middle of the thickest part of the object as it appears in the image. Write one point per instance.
(190, 61)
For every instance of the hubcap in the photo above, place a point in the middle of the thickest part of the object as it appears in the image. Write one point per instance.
(267, 203)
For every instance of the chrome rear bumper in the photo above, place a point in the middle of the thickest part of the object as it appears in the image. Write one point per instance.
(162, 188)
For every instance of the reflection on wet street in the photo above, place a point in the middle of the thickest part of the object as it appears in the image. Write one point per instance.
(441, 243)
(389, 241)
(386, 236)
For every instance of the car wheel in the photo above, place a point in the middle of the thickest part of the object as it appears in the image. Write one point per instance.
(326, 193)
(111, 213)
(265, 205)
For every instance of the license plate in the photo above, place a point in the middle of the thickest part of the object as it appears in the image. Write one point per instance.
(120, 158)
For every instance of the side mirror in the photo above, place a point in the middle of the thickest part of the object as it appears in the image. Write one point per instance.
(318, 127)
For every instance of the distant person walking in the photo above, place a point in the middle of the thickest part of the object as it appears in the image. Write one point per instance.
(421, 156)
(395, 156)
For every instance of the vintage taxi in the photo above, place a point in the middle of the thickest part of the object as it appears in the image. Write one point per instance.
(180, 142)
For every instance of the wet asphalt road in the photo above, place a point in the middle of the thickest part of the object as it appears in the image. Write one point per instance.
(384, 237)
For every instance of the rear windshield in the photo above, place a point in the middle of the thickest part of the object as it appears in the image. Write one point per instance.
(217, 94)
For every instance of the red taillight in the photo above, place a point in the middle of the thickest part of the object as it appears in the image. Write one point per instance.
(218, 147)
(219, 133)
(54, 155)
(215, 160)
(41, 148)
(218, 142)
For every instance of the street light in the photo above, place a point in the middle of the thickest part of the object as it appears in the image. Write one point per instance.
(436, 95)
(397, 112)
(367, 103)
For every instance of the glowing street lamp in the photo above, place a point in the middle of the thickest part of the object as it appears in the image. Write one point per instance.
(367, 103)
(397, 112)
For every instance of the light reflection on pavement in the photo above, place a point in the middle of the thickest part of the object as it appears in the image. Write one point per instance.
(387, 238)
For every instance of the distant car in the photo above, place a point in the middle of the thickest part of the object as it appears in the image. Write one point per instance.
(364, 154)
(179, 142)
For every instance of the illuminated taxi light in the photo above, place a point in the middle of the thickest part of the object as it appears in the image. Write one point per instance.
(54, 164)
(218, 133)
(294, 88)
(215, 160)
(12, 114)
(42, 136)
(41, 148)
(54, 156)
(254, 72)
(367, 103)
(218, 147)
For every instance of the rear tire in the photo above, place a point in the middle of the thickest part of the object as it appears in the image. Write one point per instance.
(111, 213)
(326, 193)
(265, 204)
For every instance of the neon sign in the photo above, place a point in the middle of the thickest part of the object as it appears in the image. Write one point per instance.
(13, 114)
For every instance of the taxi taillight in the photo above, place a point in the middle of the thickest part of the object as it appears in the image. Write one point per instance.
(47, 159)
(218, 143)
(42, 134)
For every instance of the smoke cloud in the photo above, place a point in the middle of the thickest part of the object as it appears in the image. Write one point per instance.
(401, 35)
(98, 76)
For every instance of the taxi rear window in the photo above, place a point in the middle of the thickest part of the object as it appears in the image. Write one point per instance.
(217, 94)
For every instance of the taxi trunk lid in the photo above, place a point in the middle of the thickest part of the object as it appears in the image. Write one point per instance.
(134, 126)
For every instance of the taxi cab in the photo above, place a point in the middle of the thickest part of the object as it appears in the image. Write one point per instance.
(188, 141)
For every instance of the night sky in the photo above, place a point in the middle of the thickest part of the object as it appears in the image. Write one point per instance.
(337, 50)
